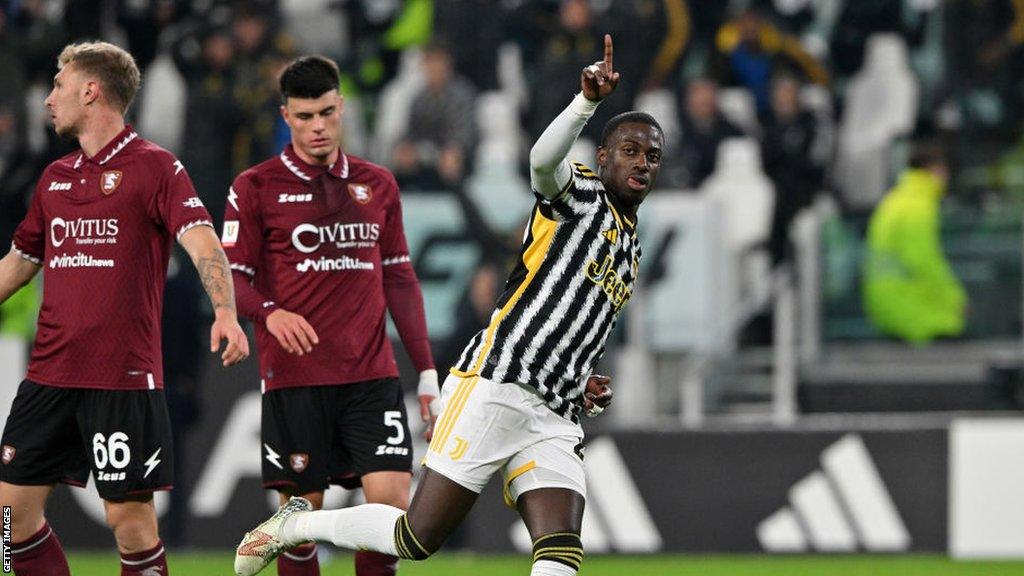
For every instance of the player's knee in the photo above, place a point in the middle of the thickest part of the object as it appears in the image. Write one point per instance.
(412, 546)
(24, 527)
(564, 548)
(135, 527)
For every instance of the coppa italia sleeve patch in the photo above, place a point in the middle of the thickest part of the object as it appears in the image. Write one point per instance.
(230, 234)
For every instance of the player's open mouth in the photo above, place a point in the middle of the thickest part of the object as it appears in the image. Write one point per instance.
(638, 183)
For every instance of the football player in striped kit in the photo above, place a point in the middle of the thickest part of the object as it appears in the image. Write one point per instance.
(512, 402)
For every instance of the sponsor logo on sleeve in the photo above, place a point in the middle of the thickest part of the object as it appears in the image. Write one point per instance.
(361, 193)
(109, 181)
(230, 235)
(8, 453)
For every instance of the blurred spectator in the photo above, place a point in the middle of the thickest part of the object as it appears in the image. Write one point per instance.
(183, 337)
(706, 18)
(750, 51)
(791, 16)
(650, 40)
(379, 32)
(472, 312)
(910, 291)
(39, 36)
(859, 20)
(12, 97)
(985, 58)
(434, 151)
(213, 115)
(474, 30)
(142, 22)
(570, 46)
(690, 161)
(262, 51)
(790, 160)
(84, 18)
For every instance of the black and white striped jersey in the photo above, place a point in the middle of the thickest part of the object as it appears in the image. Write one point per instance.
(575, 272)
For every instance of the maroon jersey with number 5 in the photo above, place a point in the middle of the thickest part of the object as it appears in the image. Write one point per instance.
(326, 243)
(102, 229)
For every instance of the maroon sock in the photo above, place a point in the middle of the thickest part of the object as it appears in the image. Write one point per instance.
(152, 562)
(299, 561)
(375, 564)
(40, 555)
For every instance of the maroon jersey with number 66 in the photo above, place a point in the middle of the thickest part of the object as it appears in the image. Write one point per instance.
(102, 229)
(326, 243)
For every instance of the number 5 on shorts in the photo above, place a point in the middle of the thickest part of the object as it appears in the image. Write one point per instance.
(394, 418)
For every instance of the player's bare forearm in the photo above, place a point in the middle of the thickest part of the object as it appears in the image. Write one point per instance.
(204, 248)
(15, 272)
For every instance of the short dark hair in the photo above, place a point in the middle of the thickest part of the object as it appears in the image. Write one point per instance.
(926, 153)
(634, 116)
(309, 77)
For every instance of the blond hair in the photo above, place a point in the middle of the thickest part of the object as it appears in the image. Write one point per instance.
(113, 67)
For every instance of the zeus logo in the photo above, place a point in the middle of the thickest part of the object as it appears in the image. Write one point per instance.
(152, 462)
(286, 198)
(61, 229)
(307, 238)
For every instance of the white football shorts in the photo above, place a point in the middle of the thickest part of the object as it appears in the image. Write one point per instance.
(485, 427)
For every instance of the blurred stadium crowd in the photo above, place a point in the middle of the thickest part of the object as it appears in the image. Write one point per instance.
(449, 94)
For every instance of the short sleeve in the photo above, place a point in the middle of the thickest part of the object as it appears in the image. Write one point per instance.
(30, 237)
(393, 247)
(579, 198)
(243, 226)
(176, 204)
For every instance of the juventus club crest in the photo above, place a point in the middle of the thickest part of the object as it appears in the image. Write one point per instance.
(360, 193)
(109, 181)
(299, 462)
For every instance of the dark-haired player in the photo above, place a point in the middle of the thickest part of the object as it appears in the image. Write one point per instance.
(101, 222)
(316, 242)
(512, 403)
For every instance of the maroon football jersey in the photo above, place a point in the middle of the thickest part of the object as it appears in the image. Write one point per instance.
(102, 228)
(320, 242)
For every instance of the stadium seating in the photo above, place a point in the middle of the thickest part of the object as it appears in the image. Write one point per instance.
(881, 106)
(748, 199)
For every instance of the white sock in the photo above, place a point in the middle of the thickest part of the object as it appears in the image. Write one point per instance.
(549, 568)
(367, 527)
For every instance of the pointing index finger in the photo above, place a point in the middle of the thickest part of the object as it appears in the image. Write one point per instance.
(608, 52)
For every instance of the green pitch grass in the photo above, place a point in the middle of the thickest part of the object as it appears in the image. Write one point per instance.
(449, 564)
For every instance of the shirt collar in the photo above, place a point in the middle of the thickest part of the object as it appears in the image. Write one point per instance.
(620, 212)
(307, 172)
(112, 148)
